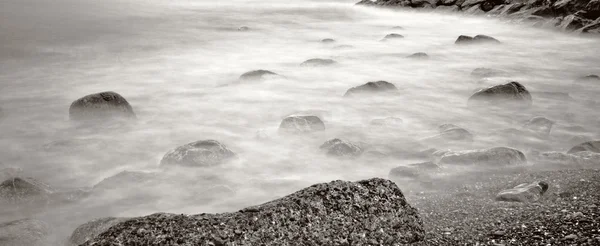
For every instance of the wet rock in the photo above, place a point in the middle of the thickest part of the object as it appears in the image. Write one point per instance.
(573, 22)
(24, 232)
(257, 75)
(479, 39)
(371, 88)
(301, 124)
(93, 228)
(469, 3)
(523, 192)
(387, 122)
(510, 94)
(592, 146)
(418, 55)
(413, 171)
(328, 40)
(318, 62)
(101, 106)
(483, 72)
(493, 157)
(17, 190)
(539, 125)
(589, 80)
(392, 36)
(203, 153)
(454, 132)
(322, 214)
(244, 29)
(342, 148)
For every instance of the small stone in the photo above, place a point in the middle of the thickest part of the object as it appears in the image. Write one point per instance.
(571, 237)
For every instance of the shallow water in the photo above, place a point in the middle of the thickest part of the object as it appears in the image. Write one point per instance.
(172, 60)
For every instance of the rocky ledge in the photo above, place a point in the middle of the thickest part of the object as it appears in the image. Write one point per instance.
(579, 16)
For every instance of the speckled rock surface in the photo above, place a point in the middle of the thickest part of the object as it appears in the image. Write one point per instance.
(91, 229)
(203, 153)
(101, 106)
(368, 212)
(301, 124)
(510, 94)
(493, 157)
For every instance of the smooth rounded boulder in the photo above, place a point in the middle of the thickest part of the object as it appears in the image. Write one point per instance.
(512, 94)
(378, 87)
(479, 39)
(392, 36)
(592, 146)
(418, 55)
(318, 62)
(24, 232)
(523, 192)
(301, 124)
(493, 157)
(257, 75)
(203, 153)
(342, 148)
(334, 213)
(101, 106)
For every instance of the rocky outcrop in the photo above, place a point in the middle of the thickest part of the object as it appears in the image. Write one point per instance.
(24, 232)
(203, 153)
(342, 148)
(371, 88)
(523, 192)
(93, 228)
(301, 124)
(581, 16)
(101, 106)
(512, 94)
(494, 157)
(371, 211)
(318, 62)
(592, 146)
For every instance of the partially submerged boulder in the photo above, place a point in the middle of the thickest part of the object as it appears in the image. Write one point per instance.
(17, 190)
(301, 124)
(101, 106)
(333, 213)
(479, 39)
(203, 153)
(414, 171)
(392, 36)
(592, 146)
(318, 62)
(372, 88)
(328, 40)
(419, 55)
(483, 72)
(539, 125)
(523, 192)
(493, 157)
(93, 228)
(342, 148)
(24, 232)
(257, 75)
(454, 132)
(510, 94)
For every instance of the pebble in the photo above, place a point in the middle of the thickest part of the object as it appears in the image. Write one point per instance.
(571, 237)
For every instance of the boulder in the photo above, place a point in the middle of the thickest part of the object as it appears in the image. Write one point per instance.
(418, 55)
(523, 192)
(318, 62)
(101, 106)
(327, 40)
(342, 148)
(483, 72)
(301, 124)
(539, 125)
(454, 132)
(592, 146)
(203, 153)
(387, 122)
(334, 213)
(479, 39)
(257, 75)
(24, 232)
(589, 80)
(372, 88)
(493, 157)
(93, 228)
(17, 190)
(573, 22)
(392, 36)
(414, 171)
(510, 94)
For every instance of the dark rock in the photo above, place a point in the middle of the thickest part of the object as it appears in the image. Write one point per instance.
(417, 170)
(494, 157)
(523, 192)
(447, 2)
(101, 106)
(342, 148)
(301, 124)
(593, 9)
(540, 125)
(387, 122)
(469, 3)
(487, 6)
(512, 8)
(256, 75)
(327, 40)
(203, 153)
(243, 29)
(18, 190)
(334, 213)
(487, 72)
(317, 62)
(510, 94)
(592, 79)
(419, 55)
(544, 11)
(372, 88)
(24, 232)
(592, 146)
(393, 36)
(93, 228)
(479, 39)
(463, 39)
(573, 22)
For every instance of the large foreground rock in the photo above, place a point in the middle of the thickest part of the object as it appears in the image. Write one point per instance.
(592, 146)
(101, 106)
(523, 192)
(371, 88)
(368, 212)
(493, 157)
(203, 153)
(512, 94)
(91, 229)
(24, 232)
(301, 124)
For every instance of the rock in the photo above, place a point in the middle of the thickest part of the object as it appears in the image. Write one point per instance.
(523, 192)
(203, 153)
(341, 148)
(101, 106)
(328, 40)
(487, 6)
(483, 72)
(468, 3)
(257, 75)
(317, 62)
(75, 145)
(24, 232)
(479, 39)
(589, 80)
(398, 28)
(392, 36)
(571, 237)
(493, 157)
(454, 132)
(592, 146)
(572, 23)
(243, 29)
(387, 122)
(18, 190)
(593, 9)
(539, 125)
(322, 214)
(301, 124)
(413, 171)
(377, 87)
(447, 2)
(510, 94)
(93, 228)
(418, 55)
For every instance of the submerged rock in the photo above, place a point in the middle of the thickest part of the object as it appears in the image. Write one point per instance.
(327, 40)
(454, 132)
(301, 124)
(539, 125)
(589, 80)
(493, 157)
(342, 148)
(418, 55)
(412, 171)
(203, 153)
(16, 190)
(387, 122)
(101, 106)
(322, 214)
(126, 179)
(510, 94)
(483, 72)
(24, 232)
(392, 36)
(523, 192)
(372, 88)
(257, 75)
(479, 39)
(592, 146)
(318, 62)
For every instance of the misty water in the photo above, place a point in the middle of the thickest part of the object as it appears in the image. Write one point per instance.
(178, 63)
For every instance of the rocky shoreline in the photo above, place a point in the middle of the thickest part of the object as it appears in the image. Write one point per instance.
(576, 16)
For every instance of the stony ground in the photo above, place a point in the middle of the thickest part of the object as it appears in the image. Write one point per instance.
(464, 211)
